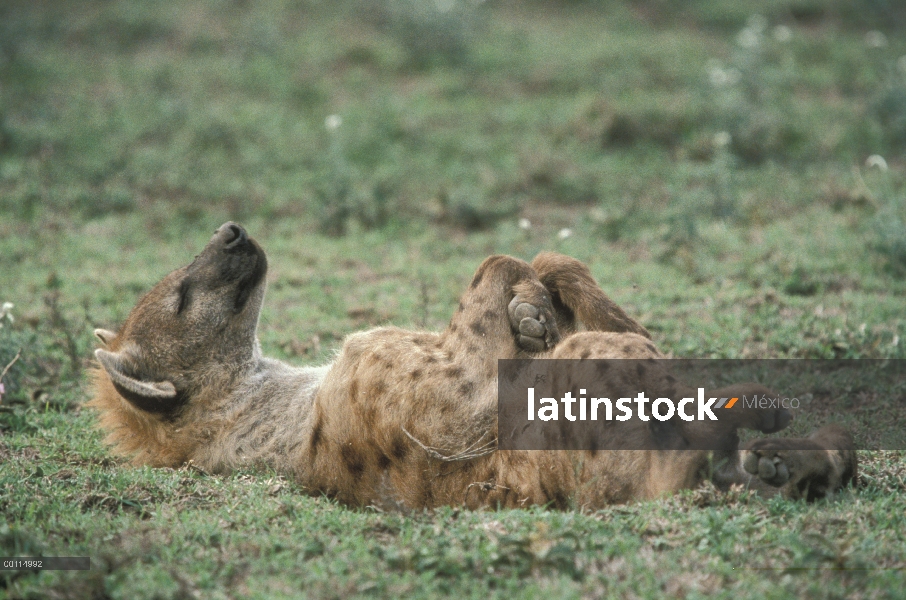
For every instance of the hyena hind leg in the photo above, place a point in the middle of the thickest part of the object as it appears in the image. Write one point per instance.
(577, 296)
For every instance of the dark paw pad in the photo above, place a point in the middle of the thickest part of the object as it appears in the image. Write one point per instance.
(534, 326)
(767, 464)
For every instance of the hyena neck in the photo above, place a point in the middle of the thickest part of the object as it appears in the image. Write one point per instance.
(265, 418)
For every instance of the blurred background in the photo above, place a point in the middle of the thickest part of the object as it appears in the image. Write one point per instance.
(733, 171)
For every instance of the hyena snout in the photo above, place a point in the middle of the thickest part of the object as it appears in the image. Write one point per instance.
(231, 235)
(230, 256)
(228, 271)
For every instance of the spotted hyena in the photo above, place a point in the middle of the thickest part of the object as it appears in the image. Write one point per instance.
(402, 415)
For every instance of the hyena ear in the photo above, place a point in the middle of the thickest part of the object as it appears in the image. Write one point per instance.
(147, 395)
(105, 335)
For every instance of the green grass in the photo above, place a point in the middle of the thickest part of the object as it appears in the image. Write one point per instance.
(719, 192)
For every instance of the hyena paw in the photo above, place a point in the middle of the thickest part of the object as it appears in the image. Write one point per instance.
(766, 462)
(809, 468)
(533, 325)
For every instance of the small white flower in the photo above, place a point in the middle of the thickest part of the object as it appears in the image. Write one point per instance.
(876, 161)
(333, 122)
(525, 224)
(896, 340)
(748, 38)
(757, 23)
(783, 34)
(6, 313)
(719, 77)
(565, 233)
(722, 139)
(862, 328)
(875, 39)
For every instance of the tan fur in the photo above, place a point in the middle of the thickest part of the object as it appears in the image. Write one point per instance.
(399, 417)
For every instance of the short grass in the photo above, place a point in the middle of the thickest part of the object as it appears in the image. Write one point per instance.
(732, 172)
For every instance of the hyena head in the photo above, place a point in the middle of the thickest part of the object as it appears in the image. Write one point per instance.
(193, 332)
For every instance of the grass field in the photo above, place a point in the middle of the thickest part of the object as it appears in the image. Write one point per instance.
(734, 173)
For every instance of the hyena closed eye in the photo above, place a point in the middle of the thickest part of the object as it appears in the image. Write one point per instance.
(406, 416)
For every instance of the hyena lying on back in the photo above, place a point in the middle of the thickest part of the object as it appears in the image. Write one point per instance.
(184, 380)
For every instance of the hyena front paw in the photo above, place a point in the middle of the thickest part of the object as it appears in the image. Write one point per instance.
(809, 468)
(767, 463)
(535, 327)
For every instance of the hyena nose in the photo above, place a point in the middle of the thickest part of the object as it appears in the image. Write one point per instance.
(232, 235)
